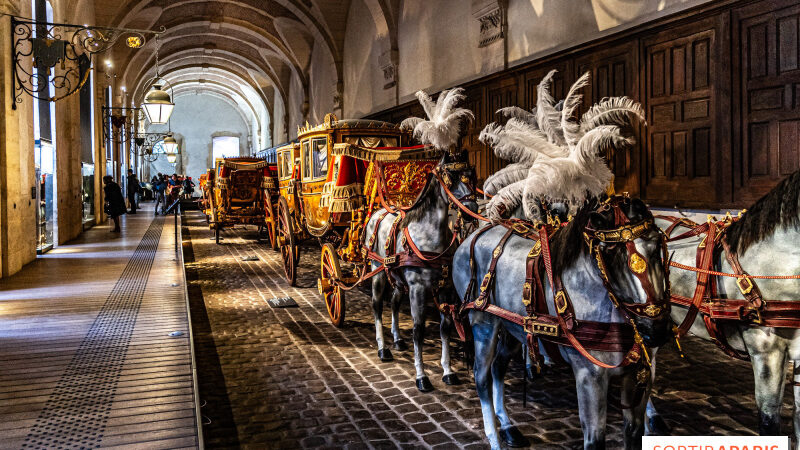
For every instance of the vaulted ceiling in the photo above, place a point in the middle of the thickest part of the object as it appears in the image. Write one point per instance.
(247, 51)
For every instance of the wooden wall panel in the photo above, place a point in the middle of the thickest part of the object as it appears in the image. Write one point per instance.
(720, 85)
(679, 99)
(769, 36)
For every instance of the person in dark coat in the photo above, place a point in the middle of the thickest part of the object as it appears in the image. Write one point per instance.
(114, 201)
(133, 189)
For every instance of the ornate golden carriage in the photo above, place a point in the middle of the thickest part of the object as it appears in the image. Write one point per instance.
(241, 191)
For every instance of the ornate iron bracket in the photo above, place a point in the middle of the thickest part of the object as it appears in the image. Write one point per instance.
(61, 55)
(119, 121)
(144, 143)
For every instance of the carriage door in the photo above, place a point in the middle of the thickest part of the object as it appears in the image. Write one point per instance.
(314, 154)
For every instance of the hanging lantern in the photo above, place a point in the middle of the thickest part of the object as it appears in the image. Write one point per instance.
(157, 105)
(170, 144)
(172, 157)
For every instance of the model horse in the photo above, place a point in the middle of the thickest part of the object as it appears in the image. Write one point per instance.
(765, 239)
(427, 222)
(582, 279)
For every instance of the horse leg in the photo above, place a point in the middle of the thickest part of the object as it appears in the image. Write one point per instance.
(768, 368)
(450, 378)
(506, 348)
(592, 386)
(633, 417)
(379, 285)
(398, 342)
(485, 338)
(654, 425)
(416, 295)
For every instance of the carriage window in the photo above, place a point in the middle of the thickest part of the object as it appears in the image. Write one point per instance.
(284, 168)
(306, 155)
(320, 155)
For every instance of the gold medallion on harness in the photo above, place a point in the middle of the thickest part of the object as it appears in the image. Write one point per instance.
(652, 310)
(637, 263)
(627, 234)
(642, 376)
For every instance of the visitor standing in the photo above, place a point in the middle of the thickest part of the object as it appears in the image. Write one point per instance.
(159, 186)
(114, 201)
(133, 189)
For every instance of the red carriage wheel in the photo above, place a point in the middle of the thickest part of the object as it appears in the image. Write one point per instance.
(287, 242)
(331, 292)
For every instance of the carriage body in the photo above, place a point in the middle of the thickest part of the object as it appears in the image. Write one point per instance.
(331, 189)
(237, 192)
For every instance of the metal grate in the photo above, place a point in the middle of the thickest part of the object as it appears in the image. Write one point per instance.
(77, 411)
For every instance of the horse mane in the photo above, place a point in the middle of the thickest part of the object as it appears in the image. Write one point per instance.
(567, 243)
(778, 208)
(426, 200)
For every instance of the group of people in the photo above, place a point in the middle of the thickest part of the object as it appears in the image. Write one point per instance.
(166, 190)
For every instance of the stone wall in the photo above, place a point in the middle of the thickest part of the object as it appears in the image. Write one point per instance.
(195, 121)
(446, 43)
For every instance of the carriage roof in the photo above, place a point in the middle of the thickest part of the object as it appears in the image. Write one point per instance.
(332, 123)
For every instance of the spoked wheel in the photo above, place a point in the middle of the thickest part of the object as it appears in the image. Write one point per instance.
(269, 221)
(332, 293)
(287, 242)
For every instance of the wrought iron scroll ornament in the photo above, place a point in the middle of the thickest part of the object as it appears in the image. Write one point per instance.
(119, 121)
(61, 55)
(145, 142)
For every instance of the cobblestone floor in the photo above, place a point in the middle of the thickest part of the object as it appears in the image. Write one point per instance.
(286, 378)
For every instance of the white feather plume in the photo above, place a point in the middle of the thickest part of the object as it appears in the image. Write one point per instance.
(619, 111)
(516, 112)
(570, 127)
(504, 177)
(547, 117)
(443, 127)
(505, 201)
(519, 142)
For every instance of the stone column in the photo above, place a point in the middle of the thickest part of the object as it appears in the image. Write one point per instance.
(17, 174)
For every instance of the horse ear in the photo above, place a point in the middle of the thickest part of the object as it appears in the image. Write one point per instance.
(638, 210)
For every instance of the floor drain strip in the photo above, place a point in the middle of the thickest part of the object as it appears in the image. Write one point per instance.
(78, 409)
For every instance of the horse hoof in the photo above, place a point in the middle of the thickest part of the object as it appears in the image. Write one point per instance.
(451, 379)
(658, 427)
(513, 438)
(385, 355)
(424, 384)
(400, 345)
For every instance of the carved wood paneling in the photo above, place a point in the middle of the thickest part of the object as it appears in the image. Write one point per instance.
(768, 148)
(720, 85)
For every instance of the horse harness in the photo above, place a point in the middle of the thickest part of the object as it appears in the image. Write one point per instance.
(752, 310)
(564, 328)
(412, 256)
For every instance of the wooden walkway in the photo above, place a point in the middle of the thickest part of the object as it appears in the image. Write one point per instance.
(87, 358)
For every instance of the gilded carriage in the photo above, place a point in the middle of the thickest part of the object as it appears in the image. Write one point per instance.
(322, 193)
(330, 183)
(238, 192)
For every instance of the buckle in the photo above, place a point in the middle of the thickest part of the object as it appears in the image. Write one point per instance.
(526, 294)
(520, 228)
(389, 260)
(536, 327)
(745, 285)
(561, 302)
(746, 315)
(536, 250)
(486, 280)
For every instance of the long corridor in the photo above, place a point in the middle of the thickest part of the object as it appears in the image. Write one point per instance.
(94, 344)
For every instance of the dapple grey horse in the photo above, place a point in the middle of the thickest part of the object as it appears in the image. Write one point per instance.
(766, 240)
(582, 280)
(428, 225)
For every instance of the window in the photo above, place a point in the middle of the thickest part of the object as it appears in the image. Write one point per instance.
(284, 164)
(315, 162)
(225, 147)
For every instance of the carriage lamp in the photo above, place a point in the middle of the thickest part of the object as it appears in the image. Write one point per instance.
(158, 105)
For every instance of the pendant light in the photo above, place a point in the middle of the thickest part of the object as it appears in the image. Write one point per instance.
(157, 104)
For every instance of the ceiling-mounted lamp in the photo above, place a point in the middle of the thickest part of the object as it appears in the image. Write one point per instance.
(158, 105)
(170, 145)
(172, 157)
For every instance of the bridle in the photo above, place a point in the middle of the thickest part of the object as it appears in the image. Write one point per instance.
(625, 233)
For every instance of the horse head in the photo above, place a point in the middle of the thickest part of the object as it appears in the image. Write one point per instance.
(630, 252)
(458, 180)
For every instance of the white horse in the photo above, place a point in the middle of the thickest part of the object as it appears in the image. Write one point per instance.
(766, 241)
